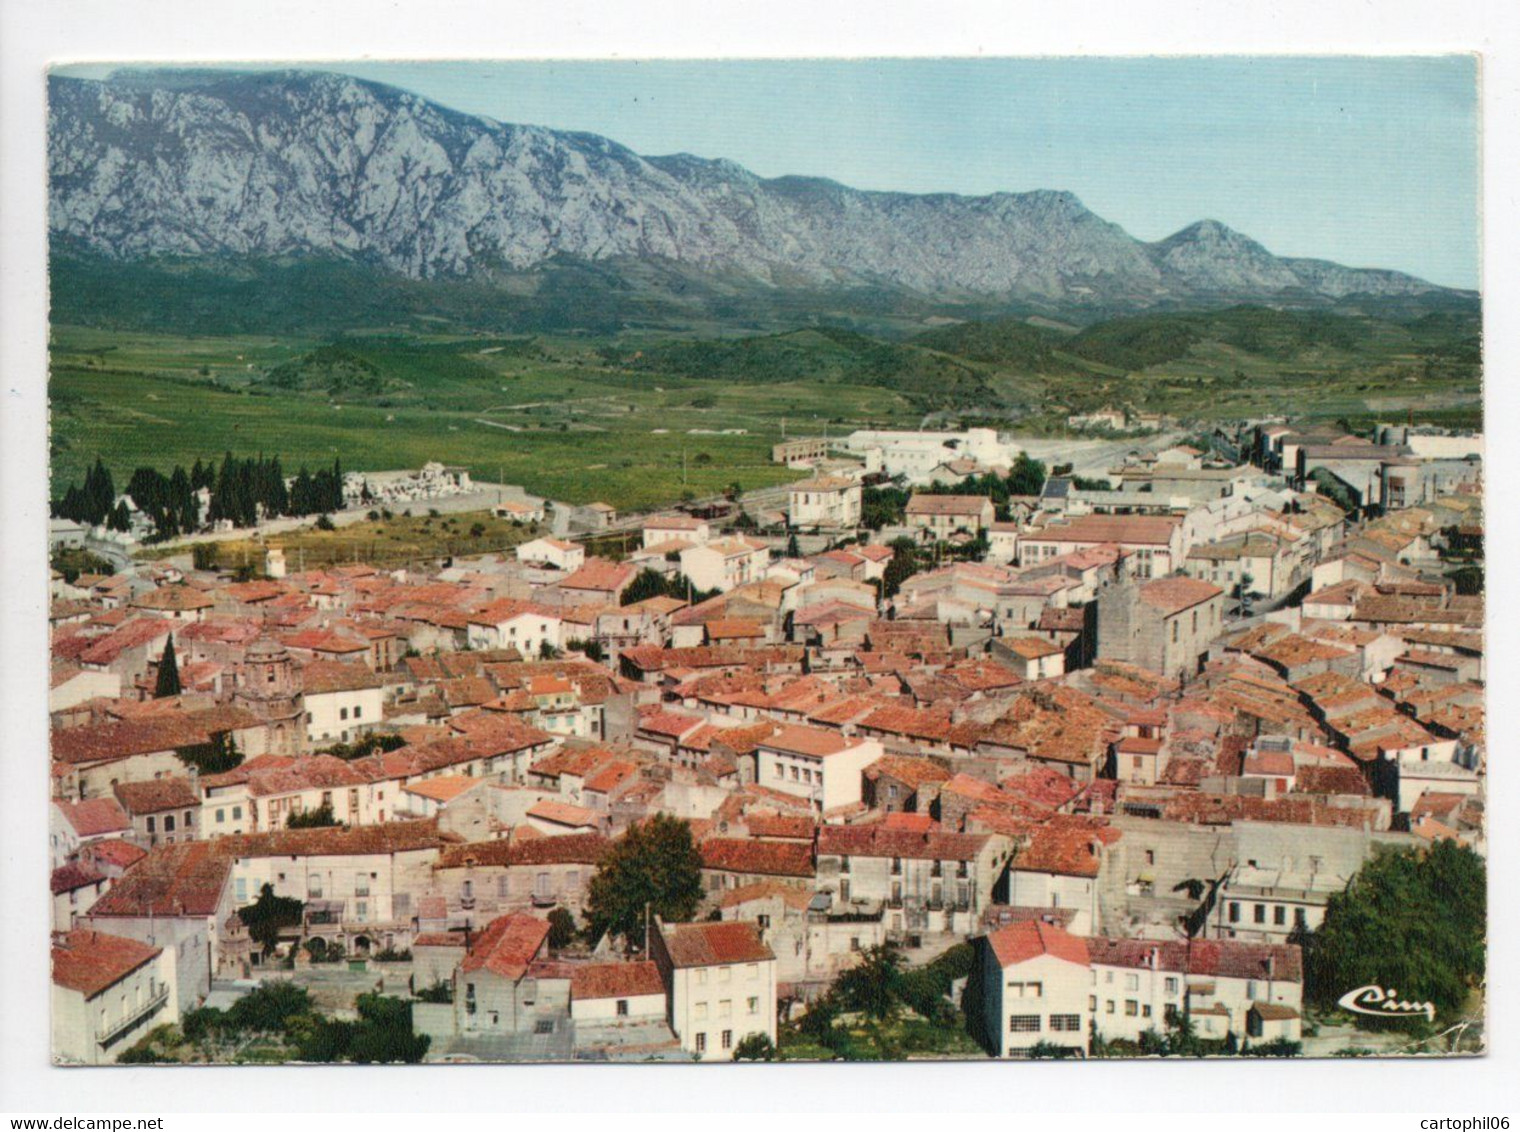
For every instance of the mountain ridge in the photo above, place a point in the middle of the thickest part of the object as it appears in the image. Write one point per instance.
(203, 164)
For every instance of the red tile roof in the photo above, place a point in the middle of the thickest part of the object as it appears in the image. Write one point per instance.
(507, 945)
(615, 980)
(95, 817)
(1173, 595)
(1031, 939)
(713, 944)
(880, 841)
(172, 880)
(157, 795)
(761, 858)
(91, 961)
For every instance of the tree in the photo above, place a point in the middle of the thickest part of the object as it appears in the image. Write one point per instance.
(1027, 476)
(874, 986)
(320, 818)
(902, 566)
(1411, 921)
(561, 929)
(792, 549)
(755, 1047)
(266, 916)
(655, 867)
(218, 756)
(168, 673)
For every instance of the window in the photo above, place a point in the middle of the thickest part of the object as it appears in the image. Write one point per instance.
(221, 816)
(780, 771)
(1024, 1024)
(188, 822)
(1131, 982)
(1234, 911)
(357, 709)
(361, 910)
(361, 885)
(1174, 632)
(1299, 919)
(1066, 1023)
(241, 888)
(753, 1005)
(701, 1043)
(1092, 1003)
(1259, 913)
(314, 888)
(1150, 856)
(1131, 1008)
(1145, 1011)
(1110, 1008)
(342, 713)
(727, 1041)
(151, 827)
(1171, 986)
(237, 813)
(1279, 915)
(699, 1011)
(622, 1008)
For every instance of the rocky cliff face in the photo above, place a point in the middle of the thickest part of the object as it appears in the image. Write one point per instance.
(295, 163)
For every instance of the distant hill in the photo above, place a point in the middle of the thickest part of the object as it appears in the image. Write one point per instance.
(255, 175)
(815, 355)
(1269, 335)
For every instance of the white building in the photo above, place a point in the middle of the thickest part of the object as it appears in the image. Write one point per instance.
(342, 701)
(915, 455)
(1036, 980)
(108, 991)
(725, 563)
(720, 980)
(676, 528)
(825, 501)
(814, 763)
(514, 625)
(554, 552)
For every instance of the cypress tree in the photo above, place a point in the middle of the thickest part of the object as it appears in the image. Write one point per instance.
(168, 673)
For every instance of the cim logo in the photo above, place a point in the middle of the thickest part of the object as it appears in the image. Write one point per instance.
(1379, 1003)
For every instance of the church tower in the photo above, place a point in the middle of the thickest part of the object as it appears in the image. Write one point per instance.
(269, 687)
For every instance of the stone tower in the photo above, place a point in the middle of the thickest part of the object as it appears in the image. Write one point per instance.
(269, 687)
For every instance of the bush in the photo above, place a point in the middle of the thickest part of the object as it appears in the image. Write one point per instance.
(755, 1047)
(325, 523)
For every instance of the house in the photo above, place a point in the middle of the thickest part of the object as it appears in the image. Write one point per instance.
(617, 993)
(76, 887)
(1154, 544)
(720, 985)
(75, 824)
(555, 552)
(927, 881)
(519, 625)
(943, 515)
(725, 564)
(162, 811)
(517, 511)
(1035, 983)
(813, 763)
(172, 898)
(495, 989)
(830, 502)
(1164, 624)
(1250, 990)
(600, 515)
(108, 991)
(799, 452)
(599, 581)
(660, 529)
(342, 701)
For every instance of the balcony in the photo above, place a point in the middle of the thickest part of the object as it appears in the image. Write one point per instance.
(108, 1033)
(544, 900)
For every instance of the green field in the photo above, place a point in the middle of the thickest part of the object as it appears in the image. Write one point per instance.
(553, 418)
(644, 418)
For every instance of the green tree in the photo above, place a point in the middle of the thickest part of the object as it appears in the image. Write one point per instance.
(320, 818)
(168, 672)
(655, 866)
(1027, 476)
(792, 549)
(755, 1047)
(1411, 921)
(561, 928)
(266, 916)
(874, 986)
(218, 756)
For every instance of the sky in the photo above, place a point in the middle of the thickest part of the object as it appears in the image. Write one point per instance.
(1368, 161)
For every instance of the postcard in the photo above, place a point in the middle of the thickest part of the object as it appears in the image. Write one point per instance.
(796, 560)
